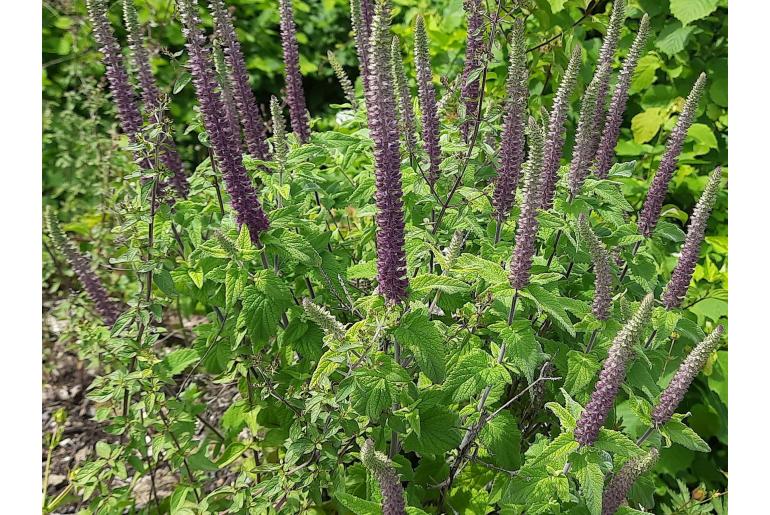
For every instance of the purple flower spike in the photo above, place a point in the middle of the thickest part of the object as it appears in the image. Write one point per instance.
(555, 141)
(383, 127)
(390, 485)
(653, 204)
(404, 98)
(526, 228)
(427, 98)
(611, 377)
(361, 34)
(618, 487)
(602, 271)
(295, 95)
(222, 134)
(606, 152)
(688, 370)
(107, 309)
(676, 289)
(122, 93)
(253, 126)
(606, 55)
(152, 99)
(474, 59)
(512, 146)
(585, 137)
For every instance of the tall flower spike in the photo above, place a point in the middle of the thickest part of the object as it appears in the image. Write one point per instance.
(676, 289)
(347, 86)
(382, 469)
(612, 375)
(618, 487)
(512, 145)
(526, 228)
(122, 93)
(606, 151)
(606, 55)
(586, 138)
(222, 134)
(361, 34)
(152, 99)
(469, 92)
(248, 111)
(602, 271)
(555, 143)
(295, 95)
(383, 127)
(325, 320)
(685, 374)
(107, 309)
(653, 204)
(226, 89)
(403, 98)
(280, 145)
(426, 95)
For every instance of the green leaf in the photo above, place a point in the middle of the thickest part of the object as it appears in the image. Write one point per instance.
(673, 38)
(688, 11)
(502, 438)
(581, 370)
(557, 5)
(679, 433)
(522, 348)
(427, 283)
(646, 124)
(466, 378)
(589, 475)
(264, 302)
(625, 169)
(292, 246)
(374, 394)
(180, 359)
(645, 73)
(163, 280)
(419, 334)
(473, 266)
(669, 231)
(439, 432)
(551, 304)
(232, 453)
(363, 270)
(616, 443)
(357, 505)
(704, 138)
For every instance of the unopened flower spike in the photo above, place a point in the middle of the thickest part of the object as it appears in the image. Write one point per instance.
(390, 485)
(151, 97)
(403, 98)
(427, 99)
(512, 145)
(221, 132)
(606, 151)
(612, 375)
(295, 94)
(248, 111)
(383, 128)
(526, 228)
(325, 320)
(684, 376)
(677, 286)
(474, 58)
(604, 68)
(280, 145)
(555, 140)
(107, 309)
(601, 261)
(653, 204)
(619, 486)
(226, 89)
(342, 77)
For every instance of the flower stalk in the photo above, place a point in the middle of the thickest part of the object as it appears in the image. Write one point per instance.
(426, 95)
(295, 94)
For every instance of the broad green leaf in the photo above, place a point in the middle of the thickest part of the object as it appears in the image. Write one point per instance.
(556, 5)
(427, 283)
(679, 433)
(364, 270)
(419, 334)
(704, 138)
(439, 432)
(232, 453)
(581, 370)
(551, 304)
(263, 304)
(646, 124)
(625, 169)
(616, 442)
(474, 266)
(179, 360)
(589, 475)
(522, 348)
(502, 438)
(673, 38)
(688, 11)
(357, 505)
(645, 73)
(466, 378)
(292, 246)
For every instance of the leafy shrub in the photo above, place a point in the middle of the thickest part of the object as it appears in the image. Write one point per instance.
(284, 344)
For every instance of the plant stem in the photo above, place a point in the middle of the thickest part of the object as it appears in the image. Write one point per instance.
(625, 267)
(648, 343)
(646, 435)
(592, 340)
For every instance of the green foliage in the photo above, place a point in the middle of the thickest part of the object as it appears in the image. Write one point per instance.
(217, 373)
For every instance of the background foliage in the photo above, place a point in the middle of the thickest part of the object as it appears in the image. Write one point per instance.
(84, 164)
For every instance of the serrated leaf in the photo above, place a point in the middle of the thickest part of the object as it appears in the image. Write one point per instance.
(522, 348)
(357, 505)
(591, 479)
(581, 370)
(419, 334)
(439, 432)
(625, 169)
(467, 378)
(292, 246)
(688, 11)
(474, 266)
(616, 443)
(179, 360)
(427, 283)
(363, 270)
(264, 302)
(549, 303)
(502, 438)
(680, 433)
